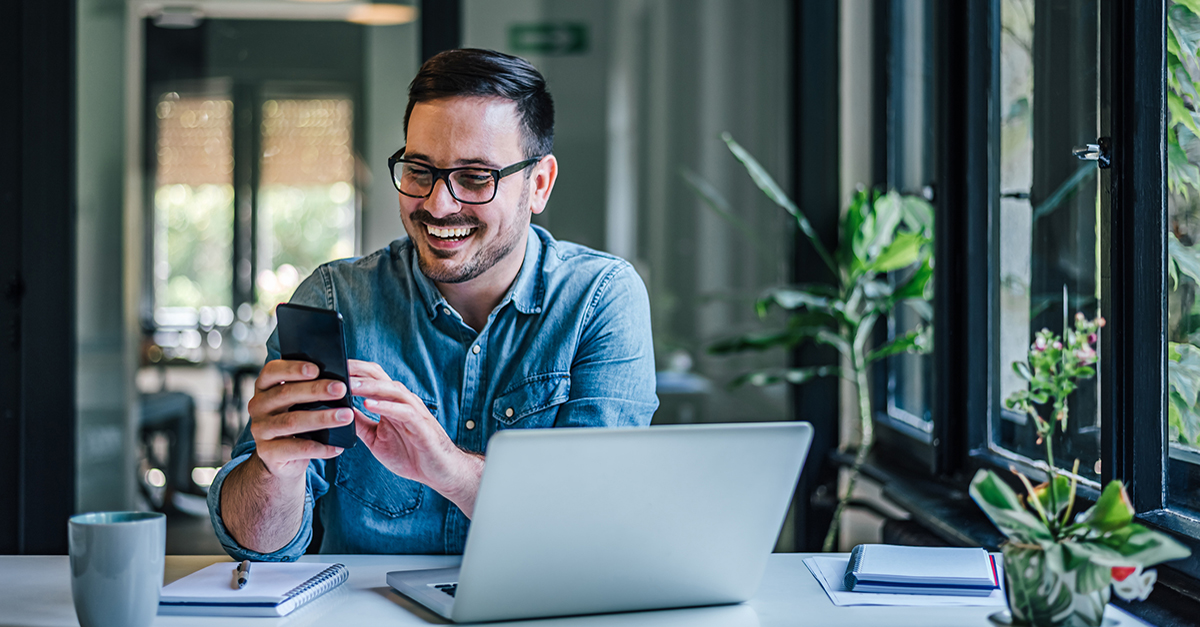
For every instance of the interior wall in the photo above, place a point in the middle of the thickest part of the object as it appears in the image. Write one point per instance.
(392, 59)
(104, 389)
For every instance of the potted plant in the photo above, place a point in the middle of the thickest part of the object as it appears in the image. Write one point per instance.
(1059, 567)
(879, 234)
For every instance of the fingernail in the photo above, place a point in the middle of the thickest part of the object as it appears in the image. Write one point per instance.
(344, 415)
(337, 450)
(336, 388)
(309, 370)
(371, 402)
(355, 384)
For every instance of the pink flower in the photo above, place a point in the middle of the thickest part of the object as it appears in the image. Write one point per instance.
(1039, 344)
(1058, 345)
(1092, 338)
(1085, 354)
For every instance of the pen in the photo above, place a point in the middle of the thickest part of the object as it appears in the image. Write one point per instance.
(243, 574)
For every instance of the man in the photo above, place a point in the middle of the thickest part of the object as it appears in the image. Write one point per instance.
(475, 322)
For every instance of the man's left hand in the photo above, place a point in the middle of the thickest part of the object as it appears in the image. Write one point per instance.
(409, 441)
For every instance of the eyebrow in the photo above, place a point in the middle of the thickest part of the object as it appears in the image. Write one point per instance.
(416, 156)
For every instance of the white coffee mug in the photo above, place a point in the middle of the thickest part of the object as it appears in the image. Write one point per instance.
(117, 563)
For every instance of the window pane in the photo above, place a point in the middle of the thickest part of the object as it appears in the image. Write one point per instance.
(306, 194)
(1049, 205)
(910, 169)
(193, 202)
(1183, 306)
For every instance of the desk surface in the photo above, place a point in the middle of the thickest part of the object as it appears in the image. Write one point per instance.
(35, 591)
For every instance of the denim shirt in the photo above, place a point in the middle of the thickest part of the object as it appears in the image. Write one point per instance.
(568, 346)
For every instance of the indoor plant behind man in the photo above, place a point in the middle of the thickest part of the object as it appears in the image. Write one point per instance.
(475, 322)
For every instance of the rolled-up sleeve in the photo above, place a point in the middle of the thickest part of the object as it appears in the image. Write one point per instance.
(612, 374)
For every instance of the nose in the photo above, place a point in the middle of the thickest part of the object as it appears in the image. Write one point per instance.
(440, 202)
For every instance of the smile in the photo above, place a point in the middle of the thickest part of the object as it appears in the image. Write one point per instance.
(448, 233)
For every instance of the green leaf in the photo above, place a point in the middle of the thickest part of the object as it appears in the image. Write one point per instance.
(1001, 505)
(795, 298)
(1139, 546)
(1180, 113)
(1042, 491)
(917, 215)
(830, 338)
(1187, 258)
(916, 284)
(888, 212)
(789, 375)
(1184, 23)
(904, 251)
(1022, 370)
(773, 191)
(908, 343)
(1112, 510)
(851, 248)
(715, 201)
(1180, 171)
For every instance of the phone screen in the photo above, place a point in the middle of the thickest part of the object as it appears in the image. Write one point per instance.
(315, 335)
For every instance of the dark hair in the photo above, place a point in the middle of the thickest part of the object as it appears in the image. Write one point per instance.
(476, 72)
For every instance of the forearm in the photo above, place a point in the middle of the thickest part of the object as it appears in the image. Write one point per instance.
(463, 486)
(261, 511)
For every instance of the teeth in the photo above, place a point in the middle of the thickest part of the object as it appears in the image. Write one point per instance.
(447, 233)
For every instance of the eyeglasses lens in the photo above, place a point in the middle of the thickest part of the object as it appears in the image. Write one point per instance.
(476, 186)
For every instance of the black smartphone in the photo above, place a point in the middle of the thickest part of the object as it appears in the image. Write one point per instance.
(315, 335)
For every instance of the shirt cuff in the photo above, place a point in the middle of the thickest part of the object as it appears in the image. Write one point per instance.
(289, 553)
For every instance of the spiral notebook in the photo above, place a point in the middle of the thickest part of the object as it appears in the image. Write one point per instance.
(274, 589)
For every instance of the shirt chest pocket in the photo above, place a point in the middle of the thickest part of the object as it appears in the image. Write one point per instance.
(533, 403)
(363, 478)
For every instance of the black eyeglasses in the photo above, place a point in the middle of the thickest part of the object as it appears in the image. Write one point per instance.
(471, 185)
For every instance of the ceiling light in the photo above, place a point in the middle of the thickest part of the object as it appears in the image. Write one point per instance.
(381, 14)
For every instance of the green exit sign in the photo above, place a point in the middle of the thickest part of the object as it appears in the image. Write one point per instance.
(553, 38)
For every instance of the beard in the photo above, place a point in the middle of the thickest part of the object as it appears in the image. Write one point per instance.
(483, 260)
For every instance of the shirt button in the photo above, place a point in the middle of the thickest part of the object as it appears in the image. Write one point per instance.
(446, 310)
(508, 412)
(470, 425)
(475, 349)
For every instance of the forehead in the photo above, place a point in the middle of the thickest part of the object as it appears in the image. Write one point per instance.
(449, 131)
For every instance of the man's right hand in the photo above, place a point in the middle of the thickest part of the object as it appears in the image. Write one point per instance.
(279, 386)
(262, 499)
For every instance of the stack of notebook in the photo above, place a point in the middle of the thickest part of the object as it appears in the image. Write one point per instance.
(921, 570)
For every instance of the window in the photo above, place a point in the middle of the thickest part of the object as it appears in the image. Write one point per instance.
(253, 143)
(1049, 203)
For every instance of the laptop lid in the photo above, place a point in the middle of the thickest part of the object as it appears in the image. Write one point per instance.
(582, 521)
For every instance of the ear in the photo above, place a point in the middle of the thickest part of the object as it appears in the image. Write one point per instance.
(542, 182)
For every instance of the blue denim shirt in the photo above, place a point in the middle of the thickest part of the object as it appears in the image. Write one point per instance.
(568, 346)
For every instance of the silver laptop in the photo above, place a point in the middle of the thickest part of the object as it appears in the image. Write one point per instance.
(587, 521)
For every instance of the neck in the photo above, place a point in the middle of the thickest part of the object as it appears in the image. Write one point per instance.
(475, 300)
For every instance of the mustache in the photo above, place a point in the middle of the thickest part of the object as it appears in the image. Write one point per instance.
(449, 222)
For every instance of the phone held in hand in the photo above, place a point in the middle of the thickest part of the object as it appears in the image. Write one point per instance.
(316, 336)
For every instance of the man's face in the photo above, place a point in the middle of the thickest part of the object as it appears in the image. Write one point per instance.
(458, 242)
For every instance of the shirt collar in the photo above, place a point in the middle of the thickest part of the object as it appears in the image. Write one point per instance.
(526, 293)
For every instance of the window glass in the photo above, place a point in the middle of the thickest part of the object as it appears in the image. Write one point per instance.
(1183, 259)
(193, 202)
(910, 170)
(1049, 245)
(306, 197)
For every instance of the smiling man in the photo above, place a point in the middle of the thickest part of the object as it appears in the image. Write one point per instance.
(475, 322)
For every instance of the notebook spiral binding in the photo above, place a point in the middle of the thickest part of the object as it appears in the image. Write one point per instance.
(326, 580)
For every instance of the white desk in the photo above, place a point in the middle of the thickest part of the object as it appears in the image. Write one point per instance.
(35, 591)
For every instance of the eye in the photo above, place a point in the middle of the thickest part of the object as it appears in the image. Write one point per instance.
(474, 179)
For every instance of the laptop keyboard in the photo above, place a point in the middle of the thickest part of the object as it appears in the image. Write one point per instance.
(448, 588)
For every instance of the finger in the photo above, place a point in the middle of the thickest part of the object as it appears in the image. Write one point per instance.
(287, 450)
(283, 370)
(385, 390)
(403, 415)
(364, 427)
(367, 369)
(281, 397)
(295, 422)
